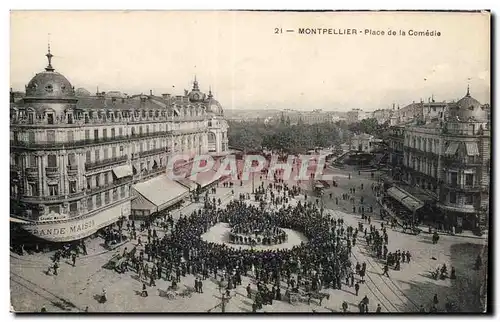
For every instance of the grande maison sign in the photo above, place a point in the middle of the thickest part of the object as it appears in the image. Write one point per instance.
(77, 229)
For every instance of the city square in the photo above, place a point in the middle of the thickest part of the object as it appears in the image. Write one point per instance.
(75, 289)
(259, 187)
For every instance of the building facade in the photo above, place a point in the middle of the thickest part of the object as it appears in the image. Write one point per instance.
(75, 160)
(450, 161)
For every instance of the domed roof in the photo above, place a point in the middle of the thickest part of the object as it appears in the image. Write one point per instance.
(49, 84)
(195, 95)
(212, 105)
(467, 108)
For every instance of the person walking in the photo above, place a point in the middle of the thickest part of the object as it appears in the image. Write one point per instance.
(386, 270)
(356, 288)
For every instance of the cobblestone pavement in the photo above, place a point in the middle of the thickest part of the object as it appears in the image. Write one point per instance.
(76, 288)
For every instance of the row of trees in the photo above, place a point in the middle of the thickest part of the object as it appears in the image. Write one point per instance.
(297, 138)
(300, 137)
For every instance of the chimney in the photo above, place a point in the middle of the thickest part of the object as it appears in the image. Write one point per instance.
(151, 92)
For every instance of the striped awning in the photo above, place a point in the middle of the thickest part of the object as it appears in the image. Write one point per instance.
(471, 148)
(452, 148)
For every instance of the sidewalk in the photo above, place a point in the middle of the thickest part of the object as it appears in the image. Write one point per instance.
(425, 229)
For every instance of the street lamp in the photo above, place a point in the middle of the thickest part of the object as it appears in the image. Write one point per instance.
(253, 182)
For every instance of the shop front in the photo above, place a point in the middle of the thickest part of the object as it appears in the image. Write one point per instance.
(79, 228)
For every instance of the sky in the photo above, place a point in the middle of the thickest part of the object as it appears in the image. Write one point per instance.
(249, 66)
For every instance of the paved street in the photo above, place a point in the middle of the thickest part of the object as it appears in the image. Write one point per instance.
(76, 288)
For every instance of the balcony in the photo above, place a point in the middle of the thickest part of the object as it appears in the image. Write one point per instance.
(104, 163)
(51, 145)
(115, 183)
(52, 172)
(466, 187)
(151, 152)
(72, 169)
(32, 172)
(53, 199)
(148, 174)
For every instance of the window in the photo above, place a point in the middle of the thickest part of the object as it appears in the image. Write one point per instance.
(70, 118)
(32, 161)
(31, 118)
(469, 199)
(113, 152)
(96, 134)
(55, 209)
(122, 191)
(70, 136)
(113, 133)
(453, 179)
(90, 203)
(453, 197)
(141, 147)
(53, 190)
(471, 159)
(87, 157)
(106, 178)
(86, 118)
(50, 118)
(71, 159)
(87, 134)
(33, 189)
(89, 183)
(72, 187)
(133, 130)
(469, 179)
(104, 133)
(115, 194)
(98, 201)
(51, 136)
(97, 180)
(73, 207)
(140, 130)
(120, 131)
(106, 197)
(105, 153)
(52, 161)
(31, 137)
(97, 155)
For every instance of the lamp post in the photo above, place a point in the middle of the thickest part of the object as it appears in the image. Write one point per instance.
(253, 182)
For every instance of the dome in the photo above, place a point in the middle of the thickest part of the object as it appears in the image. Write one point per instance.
(195, 95)
(213, 106)
(49, 84)
(467, 108)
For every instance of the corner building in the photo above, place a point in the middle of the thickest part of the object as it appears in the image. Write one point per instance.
(76, 161)
(451, 162)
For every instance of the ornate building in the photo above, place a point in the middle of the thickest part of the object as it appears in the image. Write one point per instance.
(79, 164)
(450, 161)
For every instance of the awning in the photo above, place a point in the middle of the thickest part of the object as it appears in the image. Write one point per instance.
(205, 178)
(123, 171)
(409, 201)
(18, 220)
(472, 148)
(187, 183)
(141, 203)
(161, 191)
(319, 185)
(452, 148)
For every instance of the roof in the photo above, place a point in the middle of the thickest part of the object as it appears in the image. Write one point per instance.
(205, 178)
(405, 198)
(161, 191)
